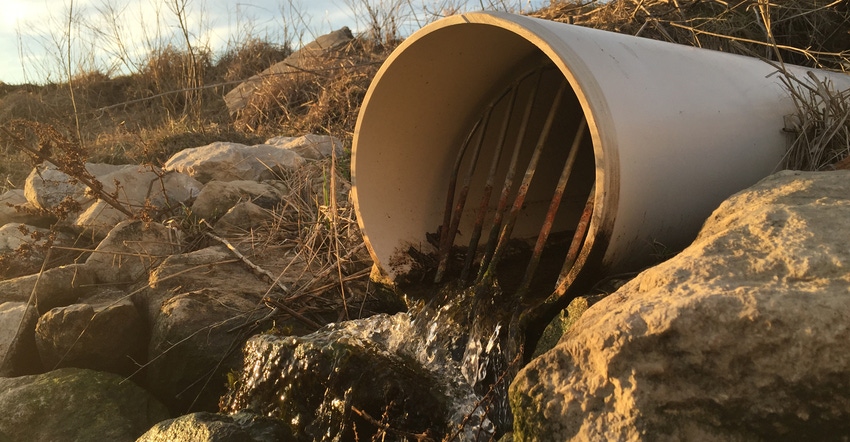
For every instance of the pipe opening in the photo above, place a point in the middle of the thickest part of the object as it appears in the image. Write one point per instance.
(478, 163)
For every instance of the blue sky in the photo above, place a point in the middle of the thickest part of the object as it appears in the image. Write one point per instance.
(33, 46)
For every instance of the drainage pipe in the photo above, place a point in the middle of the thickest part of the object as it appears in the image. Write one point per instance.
(671, 132)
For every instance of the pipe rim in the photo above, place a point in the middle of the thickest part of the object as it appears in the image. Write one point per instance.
(592, 103)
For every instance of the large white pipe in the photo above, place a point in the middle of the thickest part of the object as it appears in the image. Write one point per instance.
(673, 129)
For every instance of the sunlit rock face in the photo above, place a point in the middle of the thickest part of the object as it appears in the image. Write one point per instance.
(742, 336)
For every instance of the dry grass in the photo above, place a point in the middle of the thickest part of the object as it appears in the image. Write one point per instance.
(323, 96)
(314, 247)
(806, 32)
(821, 125)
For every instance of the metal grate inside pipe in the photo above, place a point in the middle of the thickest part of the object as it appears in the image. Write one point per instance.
(525, 158)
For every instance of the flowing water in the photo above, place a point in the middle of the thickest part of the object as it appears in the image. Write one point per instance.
(444, 356)
(439, 371)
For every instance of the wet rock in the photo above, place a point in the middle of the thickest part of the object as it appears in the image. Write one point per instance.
(212, 427)
(17, 348)
(218, 197)
(742, 336)
(131, 250)
(564, 321)
(52, 288)
(310, 146)
(75, 404)
(334, 385)
(107, 337)
(195, 342)
(225, 161)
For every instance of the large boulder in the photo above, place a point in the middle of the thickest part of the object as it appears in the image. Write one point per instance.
(217, 197)
(226, 161)
(206, 268)
(213, 427)
(17, 348)
(243, 217)
(14, 208)
(742, 336)
(131, 250)
(195, 342)
(310, 146)
(47, 186)
(75, 404)
(336, 383)
(52, 288)
(26, 248)
(106, 337)
(137, 188)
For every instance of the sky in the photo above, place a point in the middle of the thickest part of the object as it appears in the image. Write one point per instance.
(113, 36)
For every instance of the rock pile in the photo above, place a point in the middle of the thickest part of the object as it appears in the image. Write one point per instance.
(160, 308)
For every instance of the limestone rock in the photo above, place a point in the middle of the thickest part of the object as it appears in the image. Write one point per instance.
(98, 218)
(742, 336)
(243, 217)
(32, 242)
(225, 161)
(46, 186)
(217, 197)
(192, 347)
(14, 208)
(303, 58)
(130, 250)
(213, 427)
(108, 337)
(310, 146)
(136, 187)
(75, 404)
(11, 236)
(206, 268)
(17, 349)
(52, 288)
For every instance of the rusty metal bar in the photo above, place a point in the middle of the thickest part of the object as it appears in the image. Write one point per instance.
(549, 221)
(575, 246)
(505, 235)
(450, 196)
(488, 186)
(455, 215)
(509, 181)
(447, 236)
